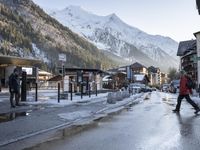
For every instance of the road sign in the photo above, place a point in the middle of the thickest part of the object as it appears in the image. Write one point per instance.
(62, 57)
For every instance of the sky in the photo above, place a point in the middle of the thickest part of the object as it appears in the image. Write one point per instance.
(177, 19)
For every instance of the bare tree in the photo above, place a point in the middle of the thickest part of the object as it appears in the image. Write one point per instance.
(173, 74)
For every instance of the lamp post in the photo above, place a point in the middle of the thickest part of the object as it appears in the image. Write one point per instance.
(81, 84)
(62, 58)
(197, 35)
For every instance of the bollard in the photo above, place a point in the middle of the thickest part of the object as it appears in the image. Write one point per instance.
(89, 90)
(199, 90)
(23, 86)
(58, 92)
(96, 89)
(71, 91)
(36, 92)
(81, 90)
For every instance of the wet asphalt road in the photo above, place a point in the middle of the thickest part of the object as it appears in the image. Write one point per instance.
(149, 125)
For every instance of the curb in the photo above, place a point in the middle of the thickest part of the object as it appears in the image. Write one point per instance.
(63, 130)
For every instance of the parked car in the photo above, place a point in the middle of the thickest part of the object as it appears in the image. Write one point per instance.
(165, 87)
(135, 88)
(154, 89)
(174, 86)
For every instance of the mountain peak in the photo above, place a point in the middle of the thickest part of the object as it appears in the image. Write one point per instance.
(73, 7)
(113, 17)
(114, 35)
(75, 10)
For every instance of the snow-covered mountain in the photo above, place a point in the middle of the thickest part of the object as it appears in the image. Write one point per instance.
(110, 33)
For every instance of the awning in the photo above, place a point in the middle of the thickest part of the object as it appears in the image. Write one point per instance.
(83, 69)
(18, 61)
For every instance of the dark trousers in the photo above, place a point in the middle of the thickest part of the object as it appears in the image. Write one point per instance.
(17, 97)
(187, 97)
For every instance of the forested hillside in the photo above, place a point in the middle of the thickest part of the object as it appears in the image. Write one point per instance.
(27, 31)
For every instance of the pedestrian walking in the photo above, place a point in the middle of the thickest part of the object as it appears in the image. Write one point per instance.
(14, 88)
(184, 93)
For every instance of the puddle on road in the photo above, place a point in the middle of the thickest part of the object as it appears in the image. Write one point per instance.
(168, 98)
(130, 106)
(164, 99)
(83, 102)
(5, 117)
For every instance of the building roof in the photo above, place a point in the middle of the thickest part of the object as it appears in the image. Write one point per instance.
(137, 65)
(83, 69)
(117, 70)
(107, 78)
(56, 78)
(18, 61)
(186, 46)
(153, 69)
(141, 77)
(44, 73)
(113, 70)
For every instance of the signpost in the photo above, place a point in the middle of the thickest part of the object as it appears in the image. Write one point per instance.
(62, 58)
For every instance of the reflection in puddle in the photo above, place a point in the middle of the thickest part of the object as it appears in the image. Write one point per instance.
(5, 117)
(130, 106)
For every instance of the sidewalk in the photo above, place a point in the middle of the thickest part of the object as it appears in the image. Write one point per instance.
(37, 122)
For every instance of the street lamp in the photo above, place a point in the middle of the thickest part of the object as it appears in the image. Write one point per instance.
(198, 5)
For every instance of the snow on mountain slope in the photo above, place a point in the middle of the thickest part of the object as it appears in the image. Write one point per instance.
(112, 34)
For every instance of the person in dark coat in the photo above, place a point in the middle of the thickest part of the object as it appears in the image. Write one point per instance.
(184, 93)
(14, 88)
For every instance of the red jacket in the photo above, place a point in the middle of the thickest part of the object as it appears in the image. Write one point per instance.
(184, 90)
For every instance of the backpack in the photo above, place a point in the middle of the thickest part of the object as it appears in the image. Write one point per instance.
(190, 84)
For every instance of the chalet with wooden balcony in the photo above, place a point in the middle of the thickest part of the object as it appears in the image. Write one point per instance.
(188, 54)
(138, 68)
(154, 75)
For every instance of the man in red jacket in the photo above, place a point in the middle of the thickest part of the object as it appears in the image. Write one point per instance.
(184, 93)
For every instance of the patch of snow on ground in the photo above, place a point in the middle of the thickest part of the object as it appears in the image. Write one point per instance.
(40, 54)
(75, 115)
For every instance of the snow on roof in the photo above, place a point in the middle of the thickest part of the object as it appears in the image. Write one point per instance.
(106, 78)
(42, 72)
(186, 46)
(137, 65)
(139, 77)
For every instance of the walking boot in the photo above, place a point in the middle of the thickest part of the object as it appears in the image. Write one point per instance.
(17, 104)
(176, 111)
(12, 106)
(197, 110)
